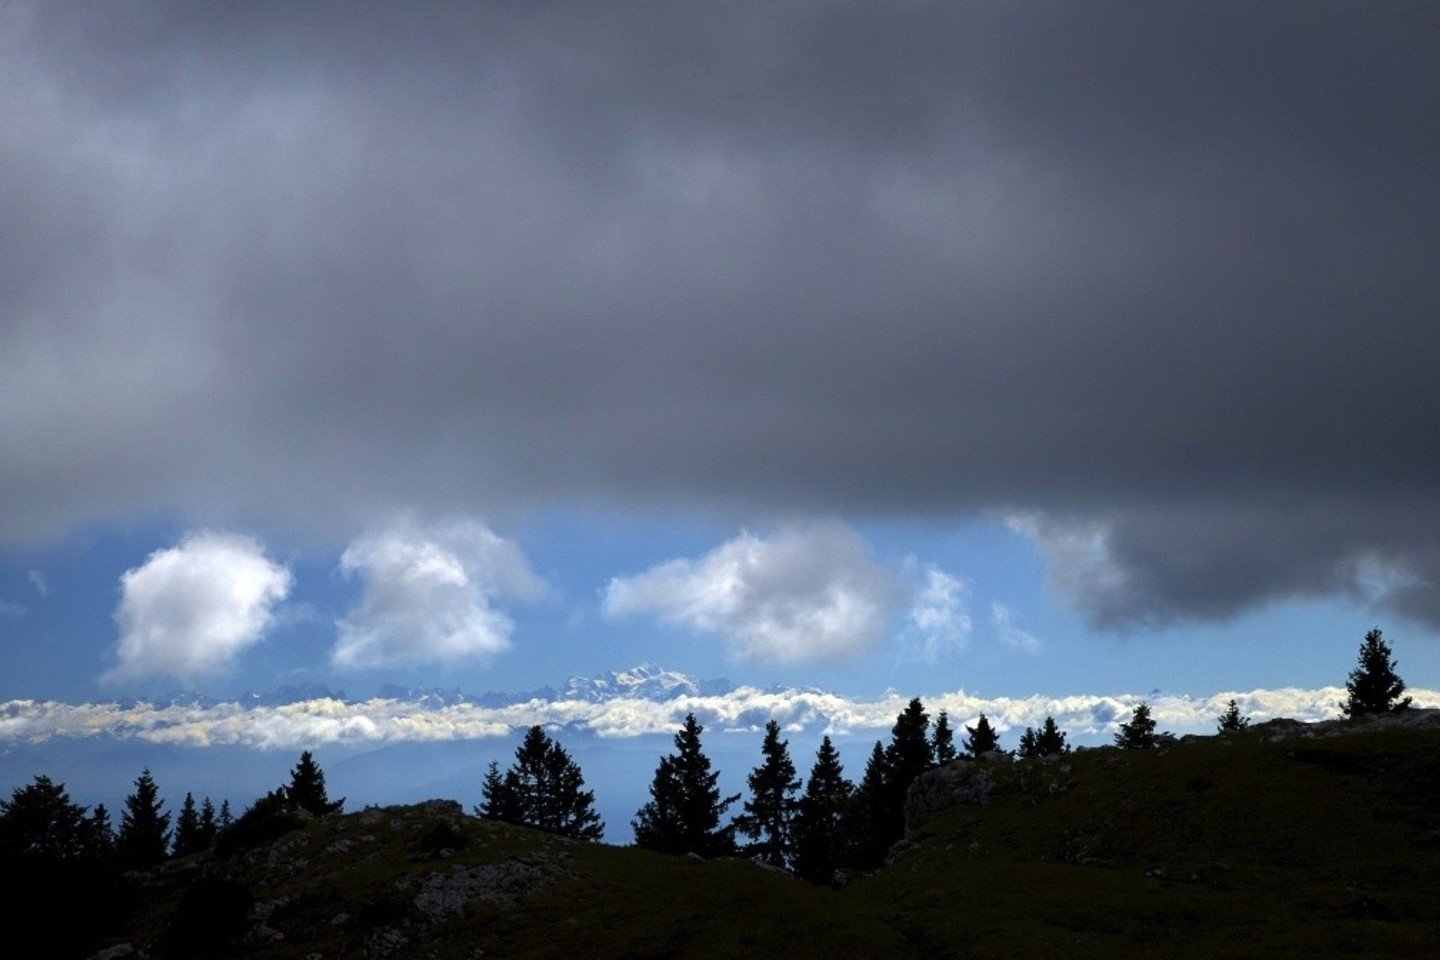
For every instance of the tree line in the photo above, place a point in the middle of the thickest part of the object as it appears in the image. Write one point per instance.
(811, 828)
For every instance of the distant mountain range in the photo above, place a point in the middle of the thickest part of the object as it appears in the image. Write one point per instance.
(643, 682)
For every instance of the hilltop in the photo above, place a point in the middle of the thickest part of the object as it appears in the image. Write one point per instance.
(1281, 841)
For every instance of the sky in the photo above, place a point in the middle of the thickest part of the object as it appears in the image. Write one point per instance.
(1016, 349)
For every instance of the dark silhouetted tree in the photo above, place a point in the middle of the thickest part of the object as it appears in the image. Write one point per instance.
(307, 788)
(1029, 747)
(1374, 686)
(909, 753)
(770, 812)
(1232, 719)
(683, 815)
(187, 829)
(497, 802)
(100, 835)
(1139, 732)
(980, 739)
(820, 818)
(39, 823)
(543, 789)
(144, 835)
(870, 825)
(1051, 739)
(225, 820)
(208, 826)
(943, 740)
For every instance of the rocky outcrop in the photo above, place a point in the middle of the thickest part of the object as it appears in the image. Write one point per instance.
(1414, 718)
(957, 782)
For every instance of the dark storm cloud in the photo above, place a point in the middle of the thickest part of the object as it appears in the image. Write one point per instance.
(1162, 271)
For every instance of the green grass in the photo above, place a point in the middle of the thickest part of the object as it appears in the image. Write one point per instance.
(1236, 848)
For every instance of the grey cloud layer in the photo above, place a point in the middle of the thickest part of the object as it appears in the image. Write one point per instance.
(1168, 269)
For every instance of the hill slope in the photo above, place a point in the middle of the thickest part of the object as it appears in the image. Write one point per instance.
(1245, 846)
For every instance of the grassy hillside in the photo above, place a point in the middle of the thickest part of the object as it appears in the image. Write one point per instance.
(1239, 847)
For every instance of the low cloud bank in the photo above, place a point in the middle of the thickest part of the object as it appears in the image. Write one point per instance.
(325, 721)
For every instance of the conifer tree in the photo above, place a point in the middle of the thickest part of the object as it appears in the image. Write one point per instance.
(572, 807)
(100, 835)
(307, 788)
(943, 740)
(820, 818)
(208, 826)
(225, 820)
(683, 815)
(1029, 747)
(497, 801)
(909, 753)
(769, 813)
(543, 789)
(40, 824)
(1139, 732)
(981, 739)
(1374, 686)
(1050, 739)
(144, 830)
(870, 825)
(1232, 719)
(187, 829)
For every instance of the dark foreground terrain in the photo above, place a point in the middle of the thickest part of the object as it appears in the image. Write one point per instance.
(1276, 842)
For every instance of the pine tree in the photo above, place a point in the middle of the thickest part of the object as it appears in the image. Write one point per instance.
(187, 829)
(573, 807)
(683, 815)
(820, 818)
(144, 830)
(1051, 739)
(307, 788)
(943, 740)
(1139, 732)
(1232, 719)
(543, 789)
(225, 820)
(1029, 744)
(1374, 686)
(497, 802)
(909, 753)
(208, 826)
(39, 823)
(100, 835)
(981, 739)
(870, 824)
(770, 811)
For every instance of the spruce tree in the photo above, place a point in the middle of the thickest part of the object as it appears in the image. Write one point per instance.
(943, 741)
(1374, 686)
(909, 753)
(307, 789)
(225, 820)
(820, 818)
(683, 815)
(981, 739)
(1139, 732)
(770, 811)
(100, 835)
(1029, 744)
(187, 829)
(1232, 719)
(144, 830)
(497, 802)
(208, 826)
(39, 824)
(871, 823)
(572, 807)
(1051, 739)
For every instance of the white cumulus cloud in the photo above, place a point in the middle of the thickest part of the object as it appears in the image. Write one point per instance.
(807, 593)
(191, 609)
(938, 624)
(1010, 634)
(429, 595)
